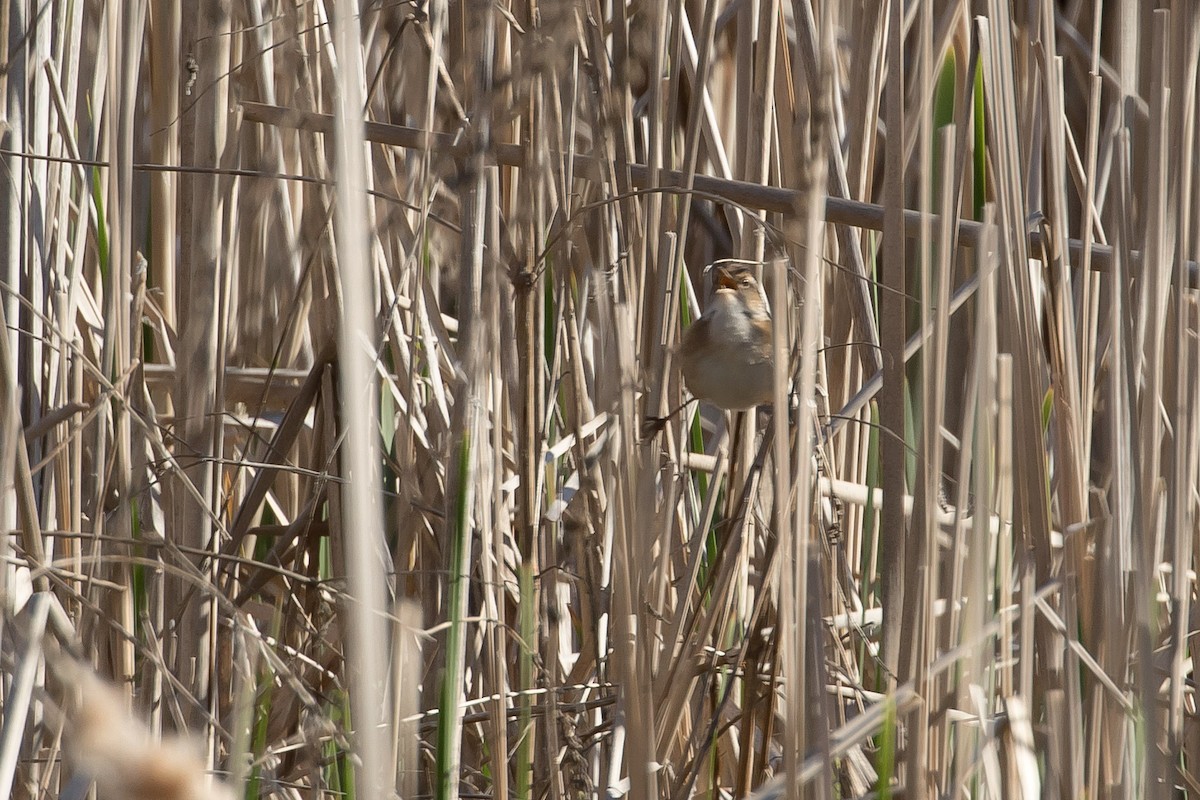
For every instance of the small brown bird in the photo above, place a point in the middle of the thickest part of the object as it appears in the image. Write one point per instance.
(726, 353)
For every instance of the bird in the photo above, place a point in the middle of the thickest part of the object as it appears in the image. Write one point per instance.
(726, 355)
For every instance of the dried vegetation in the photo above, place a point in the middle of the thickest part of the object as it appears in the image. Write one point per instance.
(325, 442)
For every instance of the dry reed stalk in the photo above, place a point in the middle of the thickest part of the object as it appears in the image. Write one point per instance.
(365, 558)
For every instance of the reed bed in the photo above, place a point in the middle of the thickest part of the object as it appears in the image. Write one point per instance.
(343, 452)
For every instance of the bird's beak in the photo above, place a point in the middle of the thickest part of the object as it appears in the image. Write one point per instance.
(725, 280)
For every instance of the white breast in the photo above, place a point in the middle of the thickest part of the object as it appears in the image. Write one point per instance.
(734, 373)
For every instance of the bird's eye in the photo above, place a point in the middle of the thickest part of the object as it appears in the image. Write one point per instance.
(746, 283)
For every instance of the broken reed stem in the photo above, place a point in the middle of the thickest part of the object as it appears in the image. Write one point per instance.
(838, 211)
